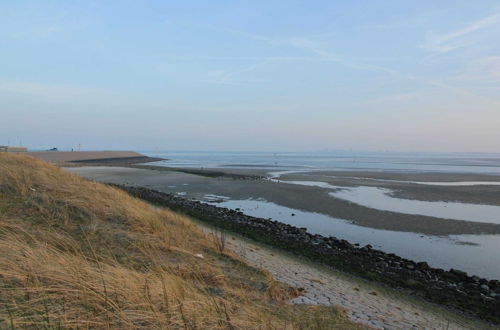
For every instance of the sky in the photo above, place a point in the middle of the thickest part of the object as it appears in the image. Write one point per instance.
(251, 75)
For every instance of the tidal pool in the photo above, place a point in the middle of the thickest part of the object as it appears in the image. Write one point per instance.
(475, 254)
(459, 183)
(430, 183)
(379, 198)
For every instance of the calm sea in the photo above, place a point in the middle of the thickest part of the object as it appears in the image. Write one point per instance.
(342, 160)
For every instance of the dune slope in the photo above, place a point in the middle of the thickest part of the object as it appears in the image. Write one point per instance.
(76, 253)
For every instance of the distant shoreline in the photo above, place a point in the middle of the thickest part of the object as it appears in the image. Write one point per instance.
(93, 157)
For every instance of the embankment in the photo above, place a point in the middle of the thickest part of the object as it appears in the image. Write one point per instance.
(76, 254)
(92, 157)
(453, 288)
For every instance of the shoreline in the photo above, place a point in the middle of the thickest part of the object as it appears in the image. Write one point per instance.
(404, 184)
(242, 185)
(373, 304)
(311, 205)
(199, 182)
(75, 158)
(469, 294)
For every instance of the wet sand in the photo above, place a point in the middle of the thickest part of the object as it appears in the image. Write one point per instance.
(316, 199)
(475, 194)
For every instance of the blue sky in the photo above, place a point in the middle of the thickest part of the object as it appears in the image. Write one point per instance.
(251, 75)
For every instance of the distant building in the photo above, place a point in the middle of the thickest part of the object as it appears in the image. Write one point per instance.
(13, 149)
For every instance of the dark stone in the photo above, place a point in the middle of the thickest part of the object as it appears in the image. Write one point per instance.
(453, 288)
(422, 265)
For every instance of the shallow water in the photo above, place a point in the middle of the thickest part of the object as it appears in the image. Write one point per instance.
(311, 184)
(379, 198)
(431, 183)
(379, 161)
(213, 197)
(475, 254)
(460, 183)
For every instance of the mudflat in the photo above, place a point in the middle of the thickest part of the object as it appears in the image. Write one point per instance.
(412, 185)
(306, 198)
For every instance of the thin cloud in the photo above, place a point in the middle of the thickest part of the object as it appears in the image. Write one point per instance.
(447, 42)
(483, 70)
(307, 44)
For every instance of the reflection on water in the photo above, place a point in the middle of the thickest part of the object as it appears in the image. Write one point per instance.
(332, 160)
(474, 254)
(461, 183)
(379, 198)
(429, 183)
(312, 184)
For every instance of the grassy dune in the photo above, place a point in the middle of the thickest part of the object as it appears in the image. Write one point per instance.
(80, 254)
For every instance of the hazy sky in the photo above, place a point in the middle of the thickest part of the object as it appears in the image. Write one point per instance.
(251, 75)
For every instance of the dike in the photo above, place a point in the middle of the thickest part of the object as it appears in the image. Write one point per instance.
(471, 295)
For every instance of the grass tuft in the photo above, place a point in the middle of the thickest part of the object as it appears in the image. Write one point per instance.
(80, 254)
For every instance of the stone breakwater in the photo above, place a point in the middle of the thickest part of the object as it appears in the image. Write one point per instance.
(454, 288)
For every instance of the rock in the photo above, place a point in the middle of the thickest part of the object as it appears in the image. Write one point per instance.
(450, 276)
(495, 295)
(458, 273)
(484, 288)
(454, 286)
(422, 265)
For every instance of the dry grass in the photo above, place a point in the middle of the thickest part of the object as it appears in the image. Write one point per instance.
(79, 254)
(219, 239)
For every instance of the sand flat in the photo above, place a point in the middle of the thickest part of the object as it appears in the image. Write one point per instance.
(310, 199)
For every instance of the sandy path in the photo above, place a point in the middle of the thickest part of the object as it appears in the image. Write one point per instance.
(365, 303)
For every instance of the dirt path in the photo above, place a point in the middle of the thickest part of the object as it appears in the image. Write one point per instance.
(365, 303)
